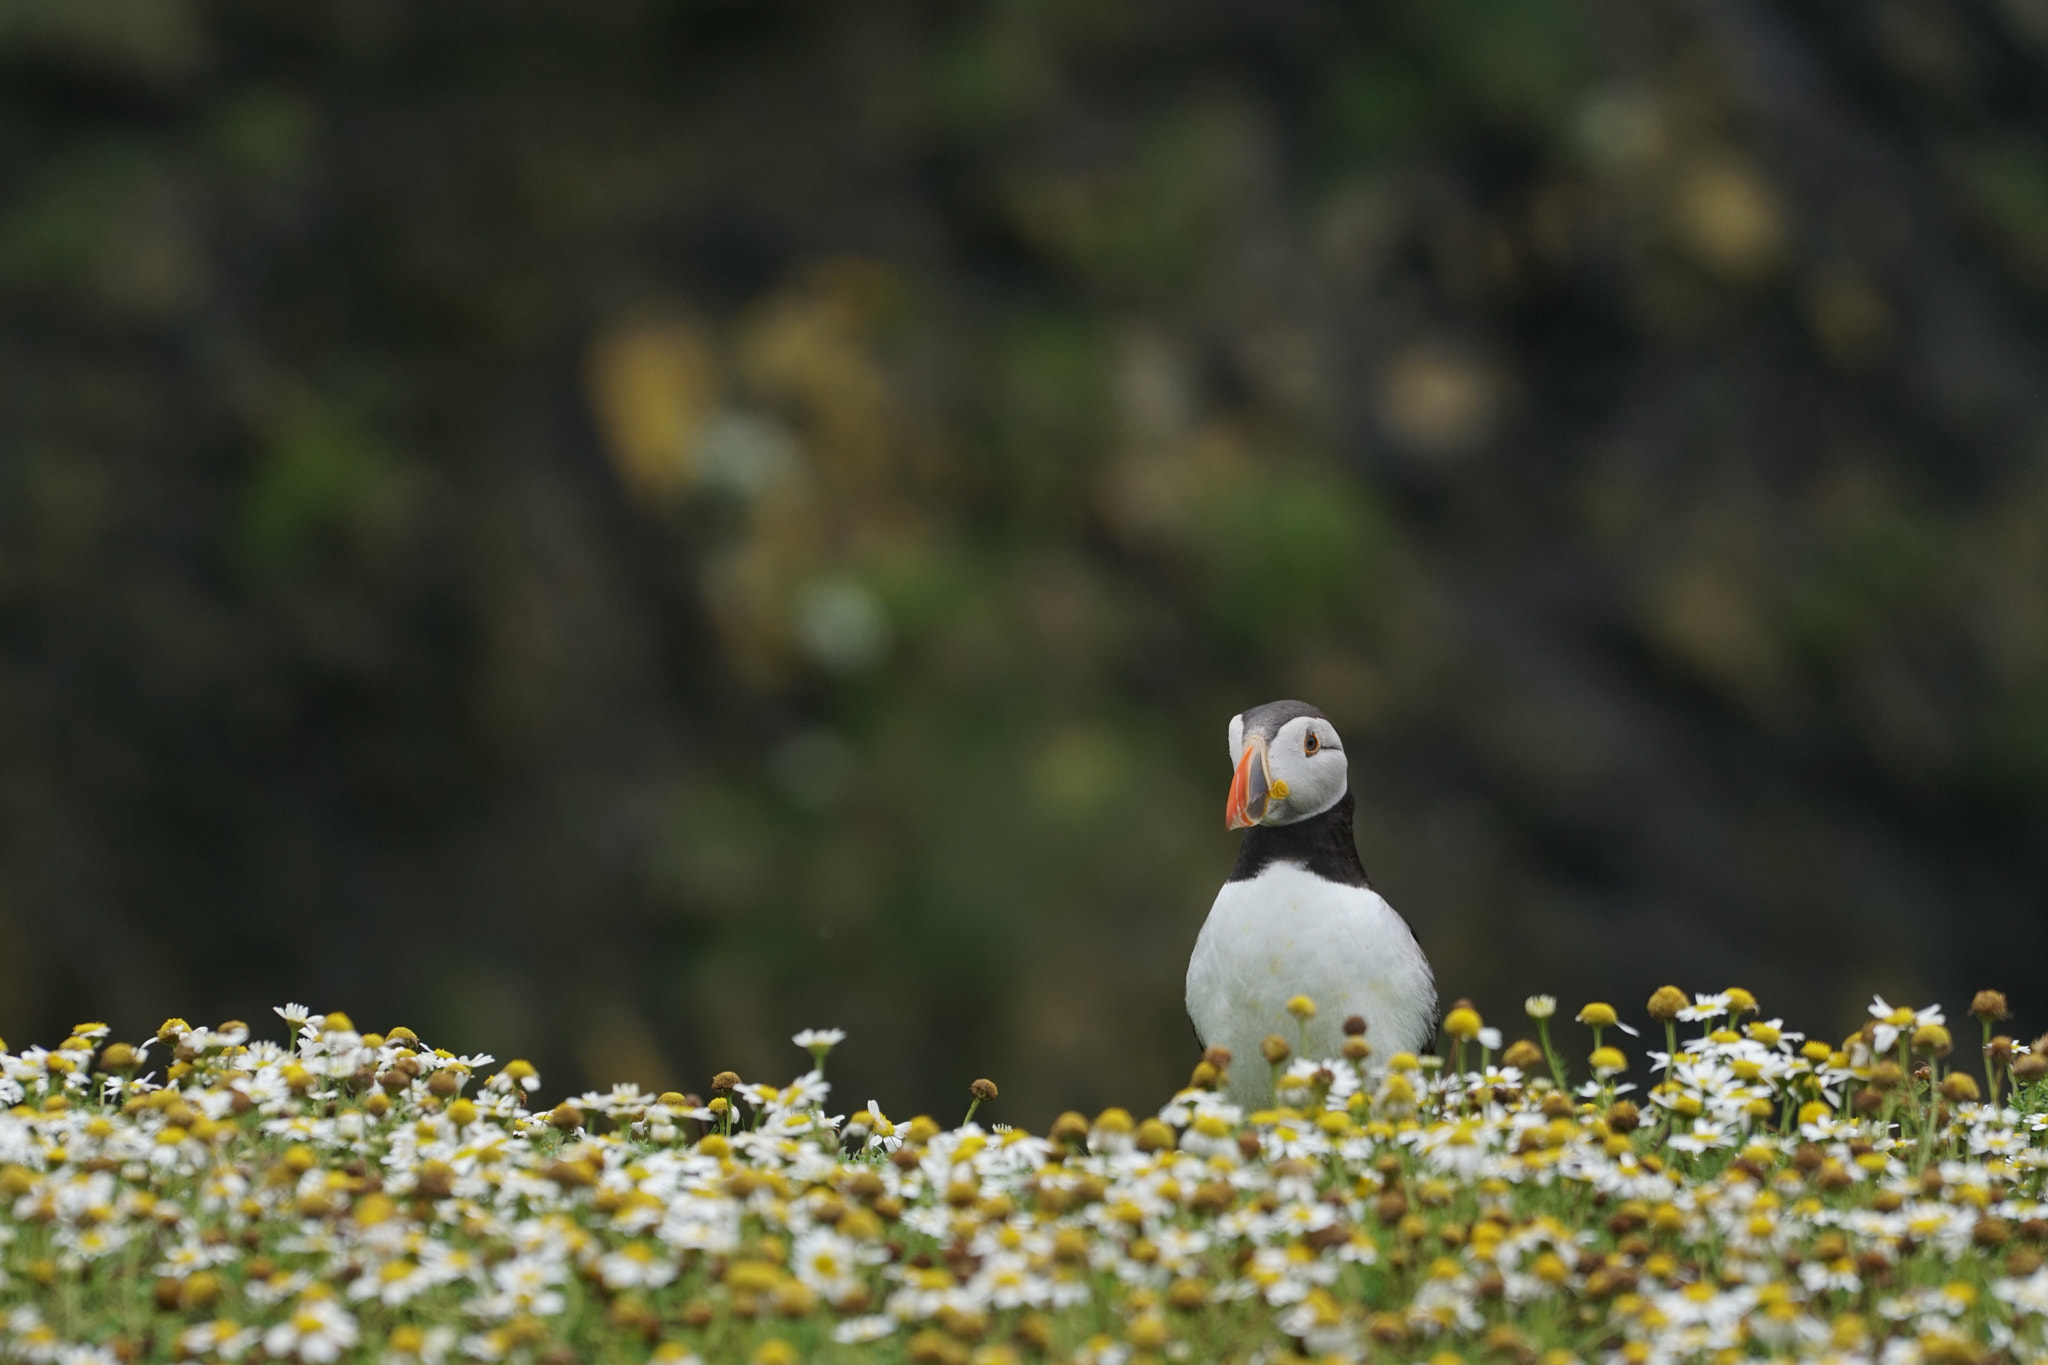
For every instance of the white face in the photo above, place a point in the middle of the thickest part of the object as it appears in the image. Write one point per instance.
(1304, 760)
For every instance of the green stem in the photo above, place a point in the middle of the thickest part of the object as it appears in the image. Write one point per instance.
(1990, 1071)
(1550, 1053)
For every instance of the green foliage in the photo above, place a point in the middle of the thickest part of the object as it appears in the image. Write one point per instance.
(322, 474)
(1291, 556)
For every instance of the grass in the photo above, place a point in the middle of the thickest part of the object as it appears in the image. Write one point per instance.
(341, 1196)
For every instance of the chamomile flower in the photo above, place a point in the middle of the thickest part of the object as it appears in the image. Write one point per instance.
(637, 1265)
(860, 1331)
(1891, 1021)
(317, 1331)
(812, 1039)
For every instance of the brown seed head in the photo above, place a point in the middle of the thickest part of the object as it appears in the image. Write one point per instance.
(1990, 1006)
(726, 1080)
(1274, 1049)
(1522, 1055)
(1218, 1057)
(983, 1089)
(1354, 1026)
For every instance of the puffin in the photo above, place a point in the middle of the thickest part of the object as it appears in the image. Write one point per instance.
(1297, 916)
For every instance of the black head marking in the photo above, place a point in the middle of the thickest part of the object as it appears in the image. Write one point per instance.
(1266, 720)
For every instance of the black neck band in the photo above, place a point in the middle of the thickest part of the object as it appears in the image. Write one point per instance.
(1321, 843)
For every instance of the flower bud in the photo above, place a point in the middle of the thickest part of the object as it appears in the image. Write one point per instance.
(1597, 1015)
(1958, 1088)
(199, 1291)
(1069, 1127)
(1274, 1049)
(1666, 1003)
(1154, 1136)
(1302, 1008)
(1932, 1039)
(1463, 1022)
(1523, 1055)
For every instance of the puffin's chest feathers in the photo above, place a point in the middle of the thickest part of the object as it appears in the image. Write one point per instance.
(1286, 932)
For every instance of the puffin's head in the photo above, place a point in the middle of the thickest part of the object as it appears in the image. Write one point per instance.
(1290, 765)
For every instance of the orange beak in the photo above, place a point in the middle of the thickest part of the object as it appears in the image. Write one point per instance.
(1249, 788)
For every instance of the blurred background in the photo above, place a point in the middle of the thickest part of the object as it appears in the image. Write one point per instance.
(611, 531)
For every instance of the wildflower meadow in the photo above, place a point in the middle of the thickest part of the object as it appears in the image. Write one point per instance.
(211, 1195)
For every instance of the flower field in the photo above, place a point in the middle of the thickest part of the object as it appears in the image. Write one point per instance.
(333, 1195)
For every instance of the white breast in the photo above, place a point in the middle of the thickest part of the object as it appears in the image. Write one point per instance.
(1285, 933)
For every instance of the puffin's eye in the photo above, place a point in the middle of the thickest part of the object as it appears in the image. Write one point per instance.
(1310, 743)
